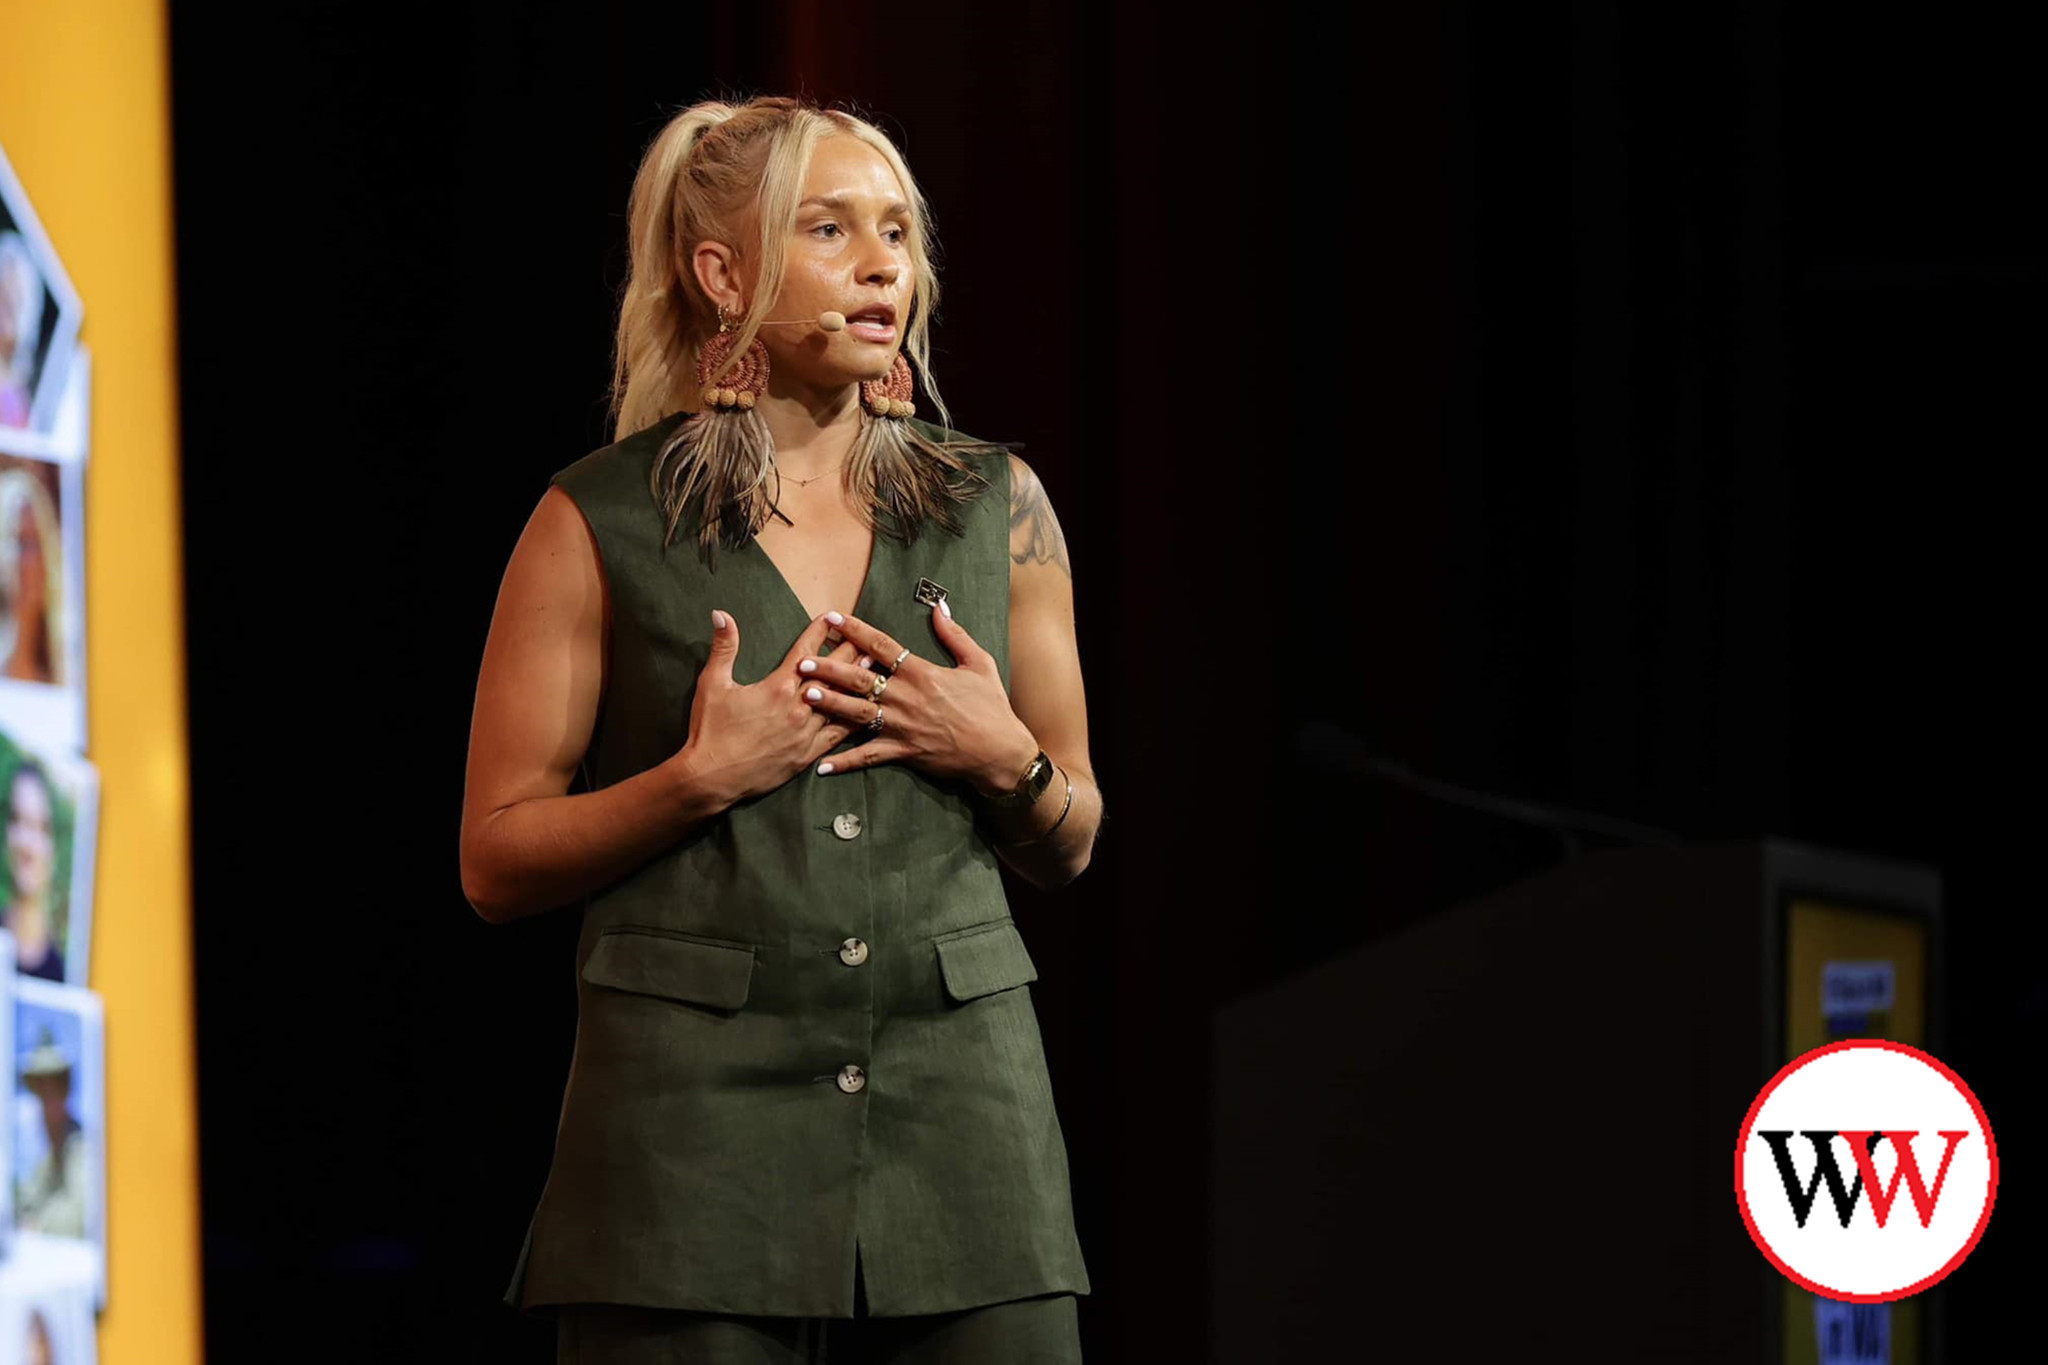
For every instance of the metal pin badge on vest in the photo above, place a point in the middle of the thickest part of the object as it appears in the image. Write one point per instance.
(929, 592)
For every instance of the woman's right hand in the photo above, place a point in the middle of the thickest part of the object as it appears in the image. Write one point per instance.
(750, 738)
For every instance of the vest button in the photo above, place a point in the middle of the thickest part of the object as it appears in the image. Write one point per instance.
(853, 952)
(851, 1078)
(846, 825)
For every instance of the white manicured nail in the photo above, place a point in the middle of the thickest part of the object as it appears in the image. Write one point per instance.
(946, 607)
(835, 618)
(825, 767)
(807, 666)
(814, 694)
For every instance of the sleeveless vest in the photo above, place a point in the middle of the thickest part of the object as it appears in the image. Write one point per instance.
(805, 1031)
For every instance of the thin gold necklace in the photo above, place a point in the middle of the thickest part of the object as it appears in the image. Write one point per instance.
(776, 510)
(802, 483)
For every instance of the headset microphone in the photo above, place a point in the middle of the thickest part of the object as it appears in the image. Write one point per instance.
(830, 322)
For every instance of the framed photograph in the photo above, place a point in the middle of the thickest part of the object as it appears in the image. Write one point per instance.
(51, 801)
(39, 313)
(6, 1129)
(42, 575)
(47, 1301)
(59, 1172)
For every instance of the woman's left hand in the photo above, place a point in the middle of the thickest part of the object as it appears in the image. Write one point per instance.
(948, 722)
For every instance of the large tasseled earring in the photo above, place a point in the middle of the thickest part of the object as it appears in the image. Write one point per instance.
(890, 396)
(744, 383)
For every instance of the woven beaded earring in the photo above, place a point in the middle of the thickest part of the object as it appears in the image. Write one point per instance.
(744, 383)
(890, 396)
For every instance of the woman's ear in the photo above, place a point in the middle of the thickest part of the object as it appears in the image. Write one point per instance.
(718, 275)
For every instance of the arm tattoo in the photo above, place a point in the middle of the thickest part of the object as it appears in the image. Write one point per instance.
(1034, 531)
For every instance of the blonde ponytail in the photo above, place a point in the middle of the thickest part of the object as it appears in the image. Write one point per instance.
(652, 359)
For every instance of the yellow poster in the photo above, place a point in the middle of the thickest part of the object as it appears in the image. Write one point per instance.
(85, 124)
(1852, 973)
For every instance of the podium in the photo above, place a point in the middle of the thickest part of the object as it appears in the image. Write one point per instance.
(1508, 1131)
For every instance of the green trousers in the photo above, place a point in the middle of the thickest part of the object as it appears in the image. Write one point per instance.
(1042, 1330)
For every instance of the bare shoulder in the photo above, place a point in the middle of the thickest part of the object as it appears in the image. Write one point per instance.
(558, 543)
(557, 522)
(1035, 536)
(554, 583)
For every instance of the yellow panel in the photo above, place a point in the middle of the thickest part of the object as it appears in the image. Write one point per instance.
(1816, 934)
(84, 116)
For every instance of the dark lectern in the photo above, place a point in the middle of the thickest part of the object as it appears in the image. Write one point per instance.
(1508, 1132)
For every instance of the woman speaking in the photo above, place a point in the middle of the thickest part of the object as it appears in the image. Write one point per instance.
(814, 656)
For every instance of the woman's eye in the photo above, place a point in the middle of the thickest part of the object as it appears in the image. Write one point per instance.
(896, 235)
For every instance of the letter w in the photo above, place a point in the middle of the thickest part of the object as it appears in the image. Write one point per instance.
(1863, 1144)
(1823, 1168)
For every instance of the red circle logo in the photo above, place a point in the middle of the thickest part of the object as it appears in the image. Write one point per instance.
(1866, 1171)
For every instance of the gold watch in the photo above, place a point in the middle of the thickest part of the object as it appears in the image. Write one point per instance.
(1036, 778)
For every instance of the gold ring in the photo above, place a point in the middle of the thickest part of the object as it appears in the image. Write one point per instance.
(875, 689)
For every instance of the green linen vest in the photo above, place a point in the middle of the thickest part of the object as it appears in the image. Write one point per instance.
(808, 1025)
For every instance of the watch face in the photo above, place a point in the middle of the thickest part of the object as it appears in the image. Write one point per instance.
(1037, 777)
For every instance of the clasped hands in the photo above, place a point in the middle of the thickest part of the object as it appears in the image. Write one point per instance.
(948, 722)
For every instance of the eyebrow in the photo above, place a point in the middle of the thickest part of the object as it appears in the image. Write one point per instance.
(841, 203)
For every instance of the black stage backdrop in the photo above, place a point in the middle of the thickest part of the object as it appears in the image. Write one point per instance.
(1619, 406)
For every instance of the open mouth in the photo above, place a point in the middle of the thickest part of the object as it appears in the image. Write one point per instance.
(876, 322)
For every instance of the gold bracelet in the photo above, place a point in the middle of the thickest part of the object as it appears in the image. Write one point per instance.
(1041, 838)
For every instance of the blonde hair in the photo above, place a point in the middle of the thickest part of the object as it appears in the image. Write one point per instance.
(40, 639)
(714, 166)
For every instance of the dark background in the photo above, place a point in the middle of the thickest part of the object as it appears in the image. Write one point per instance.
(1620, 406)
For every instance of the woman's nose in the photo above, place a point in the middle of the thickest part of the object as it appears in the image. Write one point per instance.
(883, 268)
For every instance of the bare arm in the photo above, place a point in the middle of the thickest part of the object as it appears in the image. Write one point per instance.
(1046, 690)
(526, 846)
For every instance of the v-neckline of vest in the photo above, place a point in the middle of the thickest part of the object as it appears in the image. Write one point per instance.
(868, 584)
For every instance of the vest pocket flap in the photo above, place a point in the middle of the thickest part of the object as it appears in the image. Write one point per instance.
(983, 961)
(675, 968)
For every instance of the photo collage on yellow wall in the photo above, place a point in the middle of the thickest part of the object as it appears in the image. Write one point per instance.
(53, 1140)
